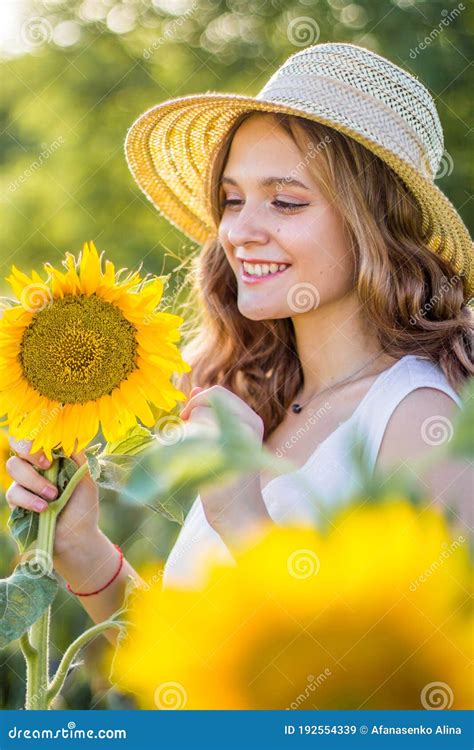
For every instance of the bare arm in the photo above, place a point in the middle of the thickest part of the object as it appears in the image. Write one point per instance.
(88, 568)
(418, 428)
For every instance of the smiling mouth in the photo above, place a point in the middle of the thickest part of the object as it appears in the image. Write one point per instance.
(253, 273)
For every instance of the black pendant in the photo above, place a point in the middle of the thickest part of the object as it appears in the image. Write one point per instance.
(296, 408)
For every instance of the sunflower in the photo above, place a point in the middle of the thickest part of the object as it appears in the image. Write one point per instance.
(5, 452)
(83, 348)
(373, 614)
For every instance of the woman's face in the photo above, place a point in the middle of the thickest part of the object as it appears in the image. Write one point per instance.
(284, 242)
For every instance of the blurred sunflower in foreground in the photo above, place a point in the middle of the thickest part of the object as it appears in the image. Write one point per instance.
(85, 347)
(372, 615)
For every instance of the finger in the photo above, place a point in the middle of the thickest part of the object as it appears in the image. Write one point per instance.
(202, 414)
(26, 475)
(18, 496)
(80, 458)
(22, 448)
(202, 399)
(194, 392)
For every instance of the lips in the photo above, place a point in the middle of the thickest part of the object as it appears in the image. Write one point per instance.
(257, 273)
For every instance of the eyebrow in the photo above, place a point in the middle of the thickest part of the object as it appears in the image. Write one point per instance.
(269, 182)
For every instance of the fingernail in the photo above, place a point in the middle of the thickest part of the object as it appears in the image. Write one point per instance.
(39, 505)
(50, 492)
(45, 462)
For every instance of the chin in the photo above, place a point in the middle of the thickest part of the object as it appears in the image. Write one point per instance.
(261, 312)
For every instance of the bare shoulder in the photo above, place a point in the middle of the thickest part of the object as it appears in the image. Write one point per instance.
(420, 426)
(422, 422)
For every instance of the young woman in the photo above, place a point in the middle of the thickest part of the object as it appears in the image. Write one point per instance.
(332, 285)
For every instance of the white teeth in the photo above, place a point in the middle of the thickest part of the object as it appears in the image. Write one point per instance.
(262, 269)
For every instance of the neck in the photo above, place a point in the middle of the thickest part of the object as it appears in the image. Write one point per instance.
(333, 342)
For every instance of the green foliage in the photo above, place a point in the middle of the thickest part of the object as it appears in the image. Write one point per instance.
(23, 525)
(24, 596)
(66, 109)
(170, 476)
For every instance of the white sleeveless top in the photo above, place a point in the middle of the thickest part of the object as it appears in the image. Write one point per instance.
(329, 473)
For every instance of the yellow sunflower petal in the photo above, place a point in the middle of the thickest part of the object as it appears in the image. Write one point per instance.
(89, 268)
(75, 358)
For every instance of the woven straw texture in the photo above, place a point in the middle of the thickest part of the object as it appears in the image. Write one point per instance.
(170, 148)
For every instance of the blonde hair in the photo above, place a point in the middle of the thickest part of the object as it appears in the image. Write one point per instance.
(411, 296)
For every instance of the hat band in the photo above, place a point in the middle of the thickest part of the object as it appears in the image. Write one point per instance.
(342, 104)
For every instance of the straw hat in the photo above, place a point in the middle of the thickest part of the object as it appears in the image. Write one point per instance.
(170, 148)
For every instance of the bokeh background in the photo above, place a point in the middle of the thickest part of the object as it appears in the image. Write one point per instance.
(74, 77)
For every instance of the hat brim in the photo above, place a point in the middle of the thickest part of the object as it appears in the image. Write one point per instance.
(171, 147)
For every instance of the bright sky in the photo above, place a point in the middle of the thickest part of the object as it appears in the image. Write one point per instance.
(10, 25)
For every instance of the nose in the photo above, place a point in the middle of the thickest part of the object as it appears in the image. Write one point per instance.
(245, 226)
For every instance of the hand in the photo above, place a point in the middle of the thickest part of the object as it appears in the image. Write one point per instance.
(235, 508)
(78, 521)
(199, 406)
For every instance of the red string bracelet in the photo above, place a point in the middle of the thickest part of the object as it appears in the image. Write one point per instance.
(91, 593)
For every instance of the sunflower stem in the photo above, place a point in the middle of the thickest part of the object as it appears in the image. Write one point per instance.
(38, 664)
(59, 678)
(36, 648)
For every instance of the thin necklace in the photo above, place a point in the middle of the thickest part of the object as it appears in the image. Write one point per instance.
(297, 407)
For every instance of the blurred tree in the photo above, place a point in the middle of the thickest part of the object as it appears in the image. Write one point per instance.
(84, 69)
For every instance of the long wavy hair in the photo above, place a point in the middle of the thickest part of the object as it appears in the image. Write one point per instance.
(412, 298)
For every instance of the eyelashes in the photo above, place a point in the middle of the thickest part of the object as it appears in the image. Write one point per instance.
(280, 205)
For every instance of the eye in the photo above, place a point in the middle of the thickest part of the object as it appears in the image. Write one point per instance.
(284, 206)
(280, 205)
(230, 202)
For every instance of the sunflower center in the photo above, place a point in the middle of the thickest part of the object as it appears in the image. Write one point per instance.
(78, 349)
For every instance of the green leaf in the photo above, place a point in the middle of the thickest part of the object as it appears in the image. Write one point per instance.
(170, 476)
(24, 596)
(114, 470)
(67, 469)
(23, 525)
(136, 440)
(170, 509)
(94, 465)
